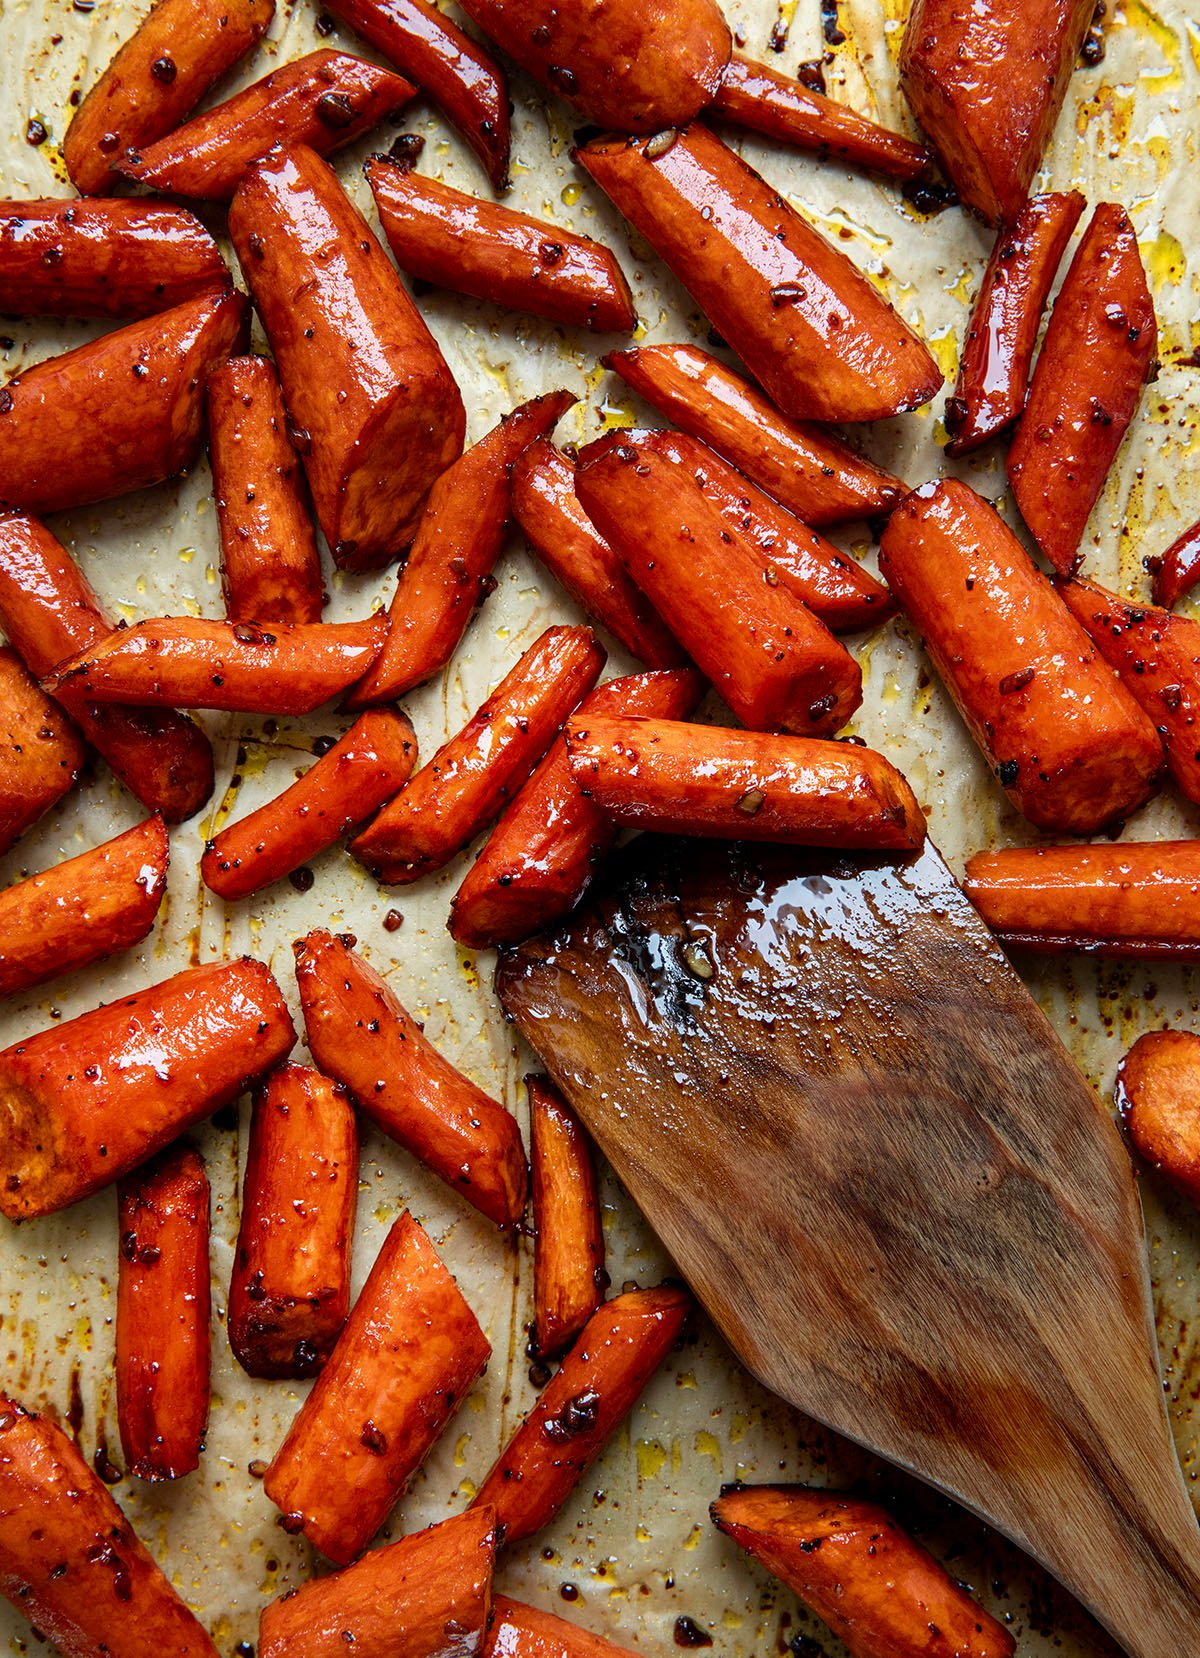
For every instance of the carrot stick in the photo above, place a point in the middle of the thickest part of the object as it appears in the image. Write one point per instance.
(1158, 1095)
(290, 1290)
(402, 1366)
(344, 787)
(1070, 746)
(521, 1631)
(86, 1101)
(163, 1311)
(568, 1258)
(597, 1385)
(1178, 570)
(472, 777)
(879, 1591)
(360, 1034)
(41, 754)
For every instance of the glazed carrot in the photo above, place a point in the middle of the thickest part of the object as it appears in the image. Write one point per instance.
(1097, 353)
(325, 100)
(1178, 570)
(993, 372)
(41, 754)
(774, 662)
(597, 1385)
(401, 1368)
(474, 774)
(1070, 746)
(290, 1290)
(427, 1596)
(157, 77)
(163, 1311)
(805, 468)
(879, 1591)
(541, 856)
(1158, 1094)
(823, 344)
(85, 1101)
(359, 1033)
(568, 1257)
(119, 414)
(69, 1559)
(449, 567)
(521, 1631)
(84, 909)
(376, 414)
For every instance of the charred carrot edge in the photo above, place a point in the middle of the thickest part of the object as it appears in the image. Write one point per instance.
(359, 1034)
(41, 754)
(69, 1559)
(289, 1294)
(163, 1357)
(403, 1599)
(448, 571)
(521, 1631)
(402, 1366)
(347, 784)
(1158, 1095)
(84, 1102)
(1177, 571)
(84, 909)
(877, 1589)
(472, 776)
(568, 1259)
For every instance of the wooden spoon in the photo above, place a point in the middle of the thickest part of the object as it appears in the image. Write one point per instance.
(882, 1174)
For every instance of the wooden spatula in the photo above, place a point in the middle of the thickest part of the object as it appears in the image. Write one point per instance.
(884, 1177)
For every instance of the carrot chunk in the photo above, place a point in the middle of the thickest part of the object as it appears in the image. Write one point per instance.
(1158, 1094)
(568, 1258)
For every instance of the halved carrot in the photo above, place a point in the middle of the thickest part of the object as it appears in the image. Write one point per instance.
(568, 1257)
(521, 1631)
(41, 753)
(1178, 570)
(1158, 1095)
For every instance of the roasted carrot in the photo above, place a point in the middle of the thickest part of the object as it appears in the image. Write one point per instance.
(359, 1033)
(376, 414)
(1178, 569)
(401, 1368)
(993, 372)
(289, 1294)
(521, 1631)
(879, 1591)
(85, 1101)
(541, 856)
(449, 566)
(568, 1257)
(41, 753)
(597, 1385)
(821, 341)
(1070, 746)
(1158, 1095)
(69, 1559)
(805, 468)
(472, 776)
(1097, 353)
(163, 1360)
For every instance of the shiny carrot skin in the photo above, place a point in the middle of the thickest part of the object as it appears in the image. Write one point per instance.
(878, 1590)
(1158, 1096)
(69, 1559)
(289, 1294)
(1097, 353)
(402, 1366)
(1178, 570)
(345, 786)
(82, 910)
(41, 753)
(806, 469)
(812, 330)
(163, 1362)
(568, 1258)
(521, 1631)
(597, 1385)
(376, 413)
(449, 566)
(993, 372)
(87, 1100)
(360, 1034)
(1069, 745)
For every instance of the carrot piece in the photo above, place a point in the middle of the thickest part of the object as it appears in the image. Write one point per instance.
(1158, 1095)
(1178, 570)
(402, 1366)
(82, 910)
(879, 1591)
(448, 571)
(806, 469)
(1070, 746)
(69, 1559)
(360, 1034)
(1098, 351)
(812, 330)
(568, 1259)
(347, 784)
(84, 1102)
(521, 1631)
(993, 372)
(427, 1596)
(41, 754)
(376, 411)
(289, 1294)
(774, 662)
(473, 775)
(163, 1360)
